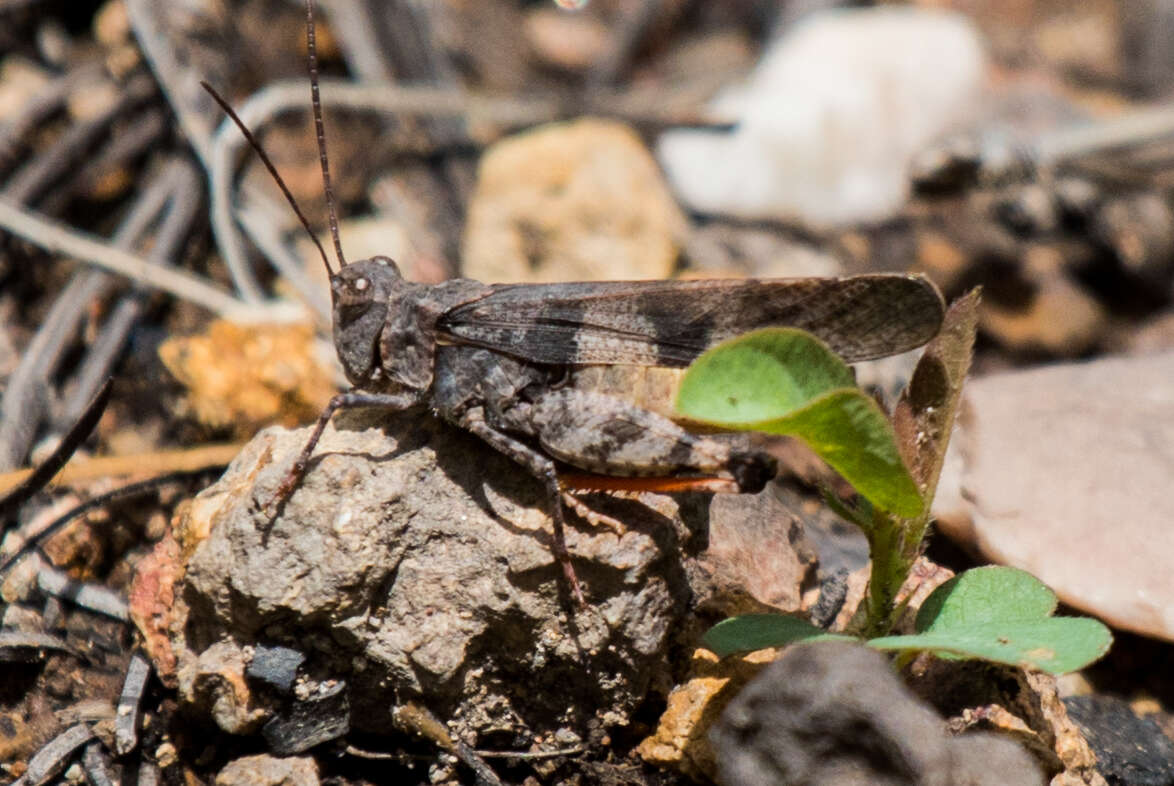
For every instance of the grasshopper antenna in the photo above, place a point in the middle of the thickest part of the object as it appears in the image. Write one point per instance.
(252, 140)
(319, 128)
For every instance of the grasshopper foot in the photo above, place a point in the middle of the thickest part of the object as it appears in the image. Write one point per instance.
(752, 470)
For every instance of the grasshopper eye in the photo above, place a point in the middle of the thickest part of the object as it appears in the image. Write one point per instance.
(358, 291)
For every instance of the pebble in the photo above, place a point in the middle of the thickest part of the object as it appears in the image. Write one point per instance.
(1061, 320)
(859, 706)
(582, 200)
(1064, 471)
(568, 41)
(830, 120)
(266, 770)
(245, 377)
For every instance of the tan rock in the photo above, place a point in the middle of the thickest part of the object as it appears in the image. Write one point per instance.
(924, 577)
(941, 259)
(1087, 40)
(570, 41)
(20, 81)
(681, 739)
(1060, 320)
(216, 680)
(112, 24)
(266, 770)
(571, 201)
(245, 377)
(1065, 472)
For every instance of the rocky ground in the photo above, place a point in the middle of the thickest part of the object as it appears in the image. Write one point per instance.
(402, 617)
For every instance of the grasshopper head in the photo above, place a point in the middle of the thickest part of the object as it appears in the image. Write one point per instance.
(362, 293)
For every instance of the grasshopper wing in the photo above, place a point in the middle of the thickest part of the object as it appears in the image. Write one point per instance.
(670, 323)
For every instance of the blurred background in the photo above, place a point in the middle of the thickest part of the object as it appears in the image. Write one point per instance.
(1025, 147)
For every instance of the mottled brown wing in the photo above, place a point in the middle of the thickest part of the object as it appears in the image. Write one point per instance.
(669, 323)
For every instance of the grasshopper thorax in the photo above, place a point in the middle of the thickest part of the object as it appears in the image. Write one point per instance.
(362, 293)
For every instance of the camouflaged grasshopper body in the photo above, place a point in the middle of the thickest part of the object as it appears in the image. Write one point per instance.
(500, 360)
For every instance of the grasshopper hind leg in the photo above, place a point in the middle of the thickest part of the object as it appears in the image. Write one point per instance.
(542, 468)
(610, 436)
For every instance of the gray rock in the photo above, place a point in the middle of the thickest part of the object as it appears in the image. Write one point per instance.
(414, 563)
(835, 713)
(1130, 749)
(276, 667)
(758, 559)
(319, 718)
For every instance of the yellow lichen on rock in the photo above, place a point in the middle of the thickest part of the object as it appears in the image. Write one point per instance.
(681, 739)
(246, 377)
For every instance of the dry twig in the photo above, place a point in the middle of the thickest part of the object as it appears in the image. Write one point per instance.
(130, 701)
(93, 597)
(50, 760)
(57, 238)
(168, 462)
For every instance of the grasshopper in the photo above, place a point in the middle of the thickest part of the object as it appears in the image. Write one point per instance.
(501, 360)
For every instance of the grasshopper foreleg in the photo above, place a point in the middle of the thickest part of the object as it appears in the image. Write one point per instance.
(341, 401)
